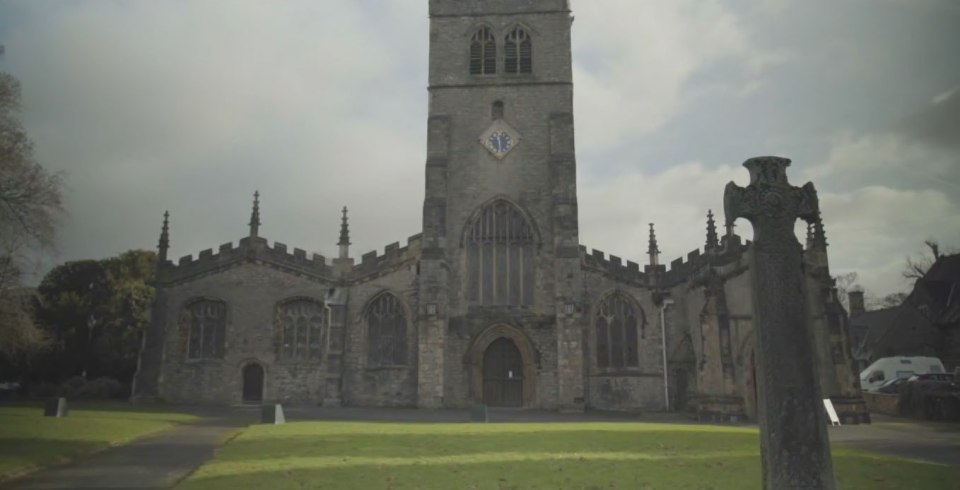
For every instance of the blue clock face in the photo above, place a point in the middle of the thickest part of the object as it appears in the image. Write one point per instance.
(500, 142)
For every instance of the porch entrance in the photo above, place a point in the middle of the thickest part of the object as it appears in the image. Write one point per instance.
(503, 374)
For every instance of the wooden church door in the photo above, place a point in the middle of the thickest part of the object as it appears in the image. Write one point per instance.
(503, 374)
(252, 383)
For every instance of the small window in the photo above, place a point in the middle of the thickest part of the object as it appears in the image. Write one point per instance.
(518, 52)
(497, 111)
(483, 53)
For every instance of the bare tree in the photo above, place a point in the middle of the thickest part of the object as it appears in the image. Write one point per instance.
(917, 268)
(30, 204)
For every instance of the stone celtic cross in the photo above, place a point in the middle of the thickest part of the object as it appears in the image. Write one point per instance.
(793, 436)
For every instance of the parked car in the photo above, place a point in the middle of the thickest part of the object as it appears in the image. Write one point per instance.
(887, 368)
(948, 377)
(8, 388)
(891, 385)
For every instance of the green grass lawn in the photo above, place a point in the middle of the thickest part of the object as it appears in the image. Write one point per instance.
(366, 456)
(28, 440)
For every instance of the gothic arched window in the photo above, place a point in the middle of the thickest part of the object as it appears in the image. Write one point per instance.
(299, 330)
(518, 52)
(500, 253)
(483, 53)
(206, 323)
(386, 331)
(618, 323)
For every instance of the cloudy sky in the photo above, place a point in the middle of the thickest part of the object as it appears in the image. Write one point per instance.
(191, 106)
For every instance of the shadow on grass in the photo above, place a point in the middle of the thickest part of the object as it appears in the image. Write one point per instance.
(658, 443)
(20, 455)
(98, 406)
(589, 471)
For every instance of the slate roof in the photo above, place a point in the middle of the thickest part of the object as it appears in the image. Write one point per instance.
(939, 291)
(933, 303)
(867, 327)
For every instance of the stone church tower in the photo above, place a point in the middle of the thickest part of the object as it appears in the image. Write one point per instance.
(501, 249)
(496, 301)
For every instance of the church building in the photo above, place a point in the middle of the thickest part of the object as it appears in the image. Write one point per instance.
(496, 300)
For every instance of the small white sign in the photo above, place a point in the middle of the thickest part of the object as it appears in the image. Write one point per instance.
(834, 420)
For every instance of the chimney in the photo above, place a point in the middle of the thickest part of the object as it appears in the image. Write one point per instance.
(855, 299)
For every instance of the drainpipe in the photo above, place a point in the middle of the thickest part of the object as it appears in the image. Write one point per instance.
(663, 348)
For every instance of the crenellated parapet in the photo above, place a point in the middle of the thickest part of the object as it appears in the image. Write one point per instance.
(683, 269)
(251, 249)
(373, 264)
(613, 266)
(698, 263)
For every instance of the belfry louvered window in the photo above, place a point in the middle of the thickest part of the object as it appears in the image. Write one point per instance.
(500, 254)
(518, 52)
(617, 326)
(206, 324)
(483, 53)
(386, 332)
(299, 330)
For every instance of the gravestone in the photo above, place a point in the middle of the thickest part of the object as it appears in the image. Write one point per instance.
(56, 407)
(478, 413)
(272, 414)
(793, 436)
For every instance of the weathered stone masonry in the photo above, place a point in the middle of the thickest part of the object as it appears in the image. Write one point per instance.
(496, 300)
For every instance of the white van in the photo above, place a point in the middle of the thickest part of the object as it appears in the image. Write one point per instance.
(887, 368)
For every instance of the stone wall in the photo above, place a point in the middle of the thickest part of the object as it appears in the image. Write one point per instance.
(710, 337)
(394, 385)
(882, 403)
(638, 388)
(251, 292)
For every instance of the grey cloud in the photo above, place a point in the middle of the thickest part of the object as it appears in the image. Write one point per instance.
(192, 105)
(937, 123)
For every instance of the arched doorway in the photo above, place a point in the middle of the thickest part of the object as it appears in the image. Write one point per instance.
(252, 383)
(503, 374)
(502, 364)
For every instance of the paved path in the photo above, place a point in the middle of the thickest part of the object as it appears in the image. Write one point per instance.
(154, 462)
(937, 442)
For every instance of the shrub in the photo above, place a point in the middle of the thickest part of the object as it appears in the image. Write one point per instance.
(72, 387)
(102, 388)
(44, 390)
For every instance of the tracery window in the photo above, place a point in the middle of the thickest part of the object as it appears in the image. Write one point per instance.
(617, 326)
(518, 52)
(386, 331)
(483, 53)
(500, 253)
(299, 329)
(206, 324)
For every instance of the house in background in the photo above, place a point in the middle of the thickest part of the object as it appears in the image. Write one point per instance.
(927, 323)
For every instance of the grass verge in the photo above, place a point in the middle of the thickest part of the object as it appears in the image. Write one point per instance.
(348, 455)
(29, 441)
